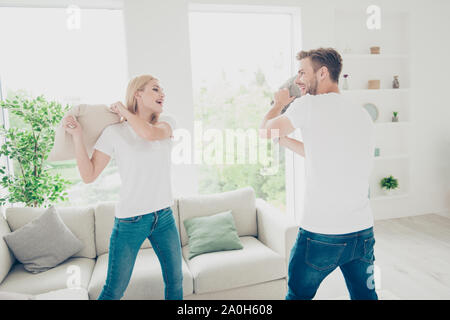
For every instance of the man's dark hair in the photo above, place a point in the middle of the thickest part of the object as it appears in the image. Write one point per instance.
(327, 57)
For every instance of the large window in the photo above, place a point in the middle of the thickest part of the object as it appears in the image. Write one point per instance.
(70, 55)
(239, 59)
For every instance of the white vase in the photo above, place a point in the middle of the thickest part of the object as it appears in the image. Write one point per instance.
(345, 84)
(388, 192)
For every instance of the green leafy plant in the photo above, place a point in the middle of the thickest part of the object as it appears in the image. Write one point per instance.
(389, 183)
(395, 113)
(28, 148)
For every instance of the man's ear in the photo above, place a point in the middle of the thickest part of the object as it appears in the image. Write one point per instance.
(323, 72)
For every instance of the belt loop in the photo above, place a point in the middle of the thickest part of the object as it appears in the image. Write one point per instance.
(154, 223)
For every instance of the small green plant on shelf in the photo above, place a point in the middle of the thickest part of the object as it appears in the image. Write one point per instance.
(395, 117)
(388, 184)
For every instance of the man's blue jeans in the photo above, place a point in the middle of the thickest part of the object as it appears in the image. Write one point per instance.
(315, 255)
(127, 236)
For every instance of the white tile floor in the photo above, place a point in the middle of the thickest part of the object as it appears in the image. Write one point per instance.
(413, 257)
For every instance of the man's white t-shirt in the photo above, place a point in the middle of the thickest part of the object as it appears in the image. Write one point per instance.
(144, 168)
(338, 136)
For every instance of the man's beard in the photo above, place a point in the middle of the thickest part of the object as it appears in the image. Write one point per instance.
(312, 89)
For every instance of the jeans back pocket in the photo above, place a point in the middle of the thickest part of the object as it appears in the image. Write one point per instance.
(323, 256)
(368, 255)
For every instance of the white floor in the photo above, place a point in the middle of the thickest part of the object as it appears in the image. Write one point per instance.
(413, 258)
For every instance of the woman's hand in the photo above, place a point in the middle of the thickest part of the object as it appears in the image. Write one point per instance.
(119, 109)
(72, 126)
(282, 98)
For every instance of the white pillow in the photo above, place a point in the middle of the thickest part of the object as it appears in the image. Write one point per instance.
(93, 119)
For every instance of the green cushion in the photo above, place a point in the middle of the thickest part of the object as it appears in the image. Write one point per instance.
(212, 233)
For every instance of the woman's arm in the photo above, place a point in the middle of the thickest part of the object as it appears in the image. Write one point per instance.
(89, 169)
(144, 129)
(294, 145)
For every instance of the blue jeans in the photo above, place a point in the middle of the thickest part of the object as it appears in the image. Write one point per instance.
(127, 236)
(315, 255)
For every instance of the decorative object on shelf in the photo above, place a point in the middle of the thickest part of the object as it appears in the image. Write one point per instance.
(389, 184)
(395, 117)
(374, 84)
(395, 83)
(377, 152)
(372, 110)
(345, 83)
(375, 50)
(347, 49)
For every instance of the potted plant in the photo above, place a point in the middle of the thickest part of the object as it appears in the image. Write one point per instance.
(389, 184)
(395, 117)
(28, 147)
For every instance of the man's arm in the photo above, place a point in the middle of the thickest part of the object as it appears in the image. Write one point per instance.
(274, 125)
(294, 145)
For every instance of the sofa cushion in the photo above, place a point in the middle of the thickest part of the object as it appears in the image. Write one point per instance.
(5, 295)
(73, 271)
(43, 243)
(104, 222)
(79, 220)
(146, 281)
(6, 257)
(217, 271)
(93, 119)
(241, 202)
(64, 294)
(212, 233)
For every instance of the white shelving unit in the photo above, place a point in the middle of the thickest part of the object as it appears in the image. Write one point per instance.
(353, 41)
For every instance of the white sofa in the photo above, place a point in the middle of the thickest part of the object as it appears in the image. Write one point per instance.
(258, 271)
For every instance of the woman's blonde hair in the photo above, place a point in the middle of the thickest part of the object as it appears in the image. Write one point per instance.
(138, 84)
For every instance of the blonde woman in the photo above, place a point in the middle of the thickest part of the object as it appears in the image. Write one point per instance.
(141, 145)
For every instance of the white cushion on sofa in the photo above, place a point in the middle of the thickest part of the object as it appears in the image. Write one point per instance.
(223, 270)
(80, 220)
(21, 281)
(64, 294)
(146, 281)
(104, 222)
(241, 202)
(6, 257)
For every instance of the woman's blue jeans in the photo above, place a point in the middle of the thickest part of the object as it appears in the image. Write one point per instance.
(315, 255)
(127, 236)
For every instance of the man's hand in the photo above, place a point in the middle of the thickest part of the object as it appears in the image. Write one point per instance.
(282, 98)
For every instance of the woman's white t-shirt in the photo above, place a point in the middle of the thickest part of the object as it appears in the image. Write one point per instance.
(144, 168)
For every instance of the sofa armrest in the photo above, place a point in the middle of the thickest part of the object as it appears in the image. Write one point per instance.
(7, 259)
(275, 229)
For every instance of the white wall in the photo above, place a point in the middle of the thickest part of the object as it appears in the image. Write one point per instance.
(157, 38)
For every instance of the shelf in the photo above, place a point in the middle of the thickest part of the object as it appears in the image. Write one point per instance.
(394, 124)
(397, 196)
(374, 56)
(396, 157)
(376, 90)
